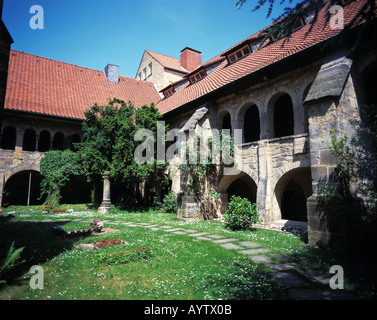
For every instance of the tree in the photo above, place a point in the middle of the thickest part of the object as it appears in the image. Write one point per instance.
(109, 133)
(56, 168)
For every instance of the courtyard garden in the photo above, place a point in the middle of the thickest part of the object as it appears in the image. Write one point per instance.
(150, 255)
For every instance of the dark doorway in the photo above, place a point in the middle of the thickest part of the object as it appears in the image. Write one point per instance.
(8, 139)
(23, 188)
(283, 117)
(29, 140)
(251, 124)
(44, 141)
(244, 187)
(293, 203)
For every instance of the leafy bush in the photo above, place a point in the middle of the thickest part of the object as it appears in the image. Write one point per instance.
(169, 204)
(241, 213)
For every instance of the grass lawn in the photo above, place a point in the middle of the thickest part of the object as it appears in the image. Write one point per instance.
(179, 266)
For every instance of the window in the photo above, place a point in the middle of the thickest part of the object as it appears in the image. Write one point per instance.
(169, 92)
(139, 75)
(197, 76)
(145, 73)
(150, 69)
(244, 51)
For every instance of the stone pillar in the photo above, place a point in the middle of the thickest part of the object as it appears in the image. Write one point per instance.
(106, 201)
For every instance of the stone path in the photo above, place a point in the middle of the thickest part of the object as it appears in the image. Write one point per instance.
(302, 283)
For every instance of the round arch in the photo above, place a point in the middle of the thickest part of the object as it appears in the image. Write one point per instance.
(290, 194)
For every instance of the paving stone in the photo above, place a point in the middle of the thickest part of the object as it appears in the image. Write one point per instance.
(261, 259)
(318, 277)
(285, 266)
(250, 244)
(318, 294)
(203, 238)
(76, 220)
(230, 246)
(126, 223)
(132, 225)
(166, 227)
(191, 230)
(216, 236)
(281, 256)
(198, 234)
(174, 229)
(47, 220)
(224, 240)
(289, 279)
(179, 232)
(255, 251)
(144, 223)
(151, 225)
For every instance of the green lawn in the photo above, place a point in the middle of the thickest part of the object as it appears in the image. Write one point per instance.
(180, 267)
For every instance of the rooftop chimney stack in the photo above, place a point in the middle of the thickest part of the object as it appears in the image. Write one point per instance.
(190, 59)
(112, 73)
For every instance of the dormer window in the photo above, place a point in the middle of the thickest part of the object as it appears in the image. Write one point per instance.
(197, 76)
(169, 92)
(239, 54)
(298, 24)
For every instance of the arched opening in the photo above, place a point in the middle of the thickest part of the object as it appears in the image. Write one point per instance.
(244, 187)
(227, 124)
(72, 139)
(283, 116)
(23, 188)
(251, 127)
(58, 141)
(8, 139)
(29, 140)
(44, 141)
(76, 190)
(291, 193)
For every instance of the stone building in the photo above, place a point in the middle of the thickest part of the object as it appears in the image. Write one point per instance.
(285, 95)
(44, 108)
(164, 70)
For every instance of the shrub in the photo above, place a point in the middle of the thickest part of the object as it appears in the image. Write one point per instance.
(169, 204)
(241, 213)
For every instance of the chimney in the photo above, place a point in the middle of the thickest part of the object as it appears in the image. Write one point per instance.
(112, 73)
(190, 59)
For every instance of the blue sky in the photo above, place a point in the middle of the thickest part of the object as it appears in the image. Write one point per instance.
(93, 33)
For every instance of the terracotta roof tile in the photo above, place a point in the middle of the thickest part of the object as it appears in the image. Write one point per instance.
(51, 87)
(266, 55)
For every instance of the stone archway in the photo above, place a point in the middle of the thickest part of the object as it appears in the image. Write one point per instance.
(22, 188)
(291, 193)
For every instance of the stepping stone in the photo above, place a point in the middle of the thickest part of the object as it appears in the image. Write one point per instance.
(255, 251)
(178, 232)
(144, 223)
(86, 246)
(230, 246)
(151, 226)
(318, 277)
(285, 266)
(198, 234)
(203, 238)
(76, 220)
(261, 259)
(126, 223)
(132, 225)
(154, 229)
(281, 256)
(249, 244)
(47, 220)
(216, 236)
(166, 227)
(289, 279)
(174, 229)
(224, 240)
(190, 230)
(317, 294)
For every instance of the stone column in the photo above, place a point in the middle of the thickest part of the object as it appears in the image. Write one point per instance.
(106, 201)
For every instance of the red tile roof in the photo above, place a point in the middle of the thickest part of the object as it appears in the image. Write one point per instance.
(51, 87)
(168, 62)
(268, 54)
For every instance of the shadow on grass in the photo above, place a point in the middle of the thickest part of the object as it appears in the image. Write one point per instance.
(38, 242)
